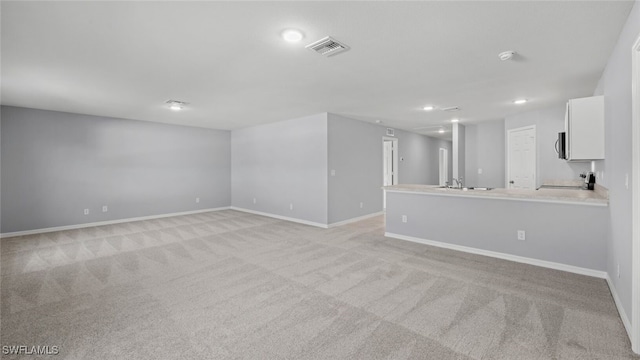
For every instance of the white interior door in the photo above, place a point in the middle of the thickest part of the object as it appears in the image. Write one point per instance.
(390, 162)
(521, 158)
(443, 166)
(389, 165)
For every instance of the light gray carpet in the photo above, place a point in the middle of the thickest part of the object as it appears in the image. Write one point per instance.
(230, 285)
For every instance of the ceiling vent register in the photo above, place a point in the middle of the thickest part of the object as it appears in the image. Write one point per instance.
(452, 108)
(327, 46)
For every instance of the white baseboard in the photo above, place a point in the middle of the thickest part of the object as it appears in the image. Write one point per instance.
(499, 255)
(621, 312)
(352, 220)
(280, 217)
(109, 222)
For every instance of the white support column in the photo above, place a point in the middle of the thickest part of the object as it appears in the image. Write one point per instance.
(458, 151)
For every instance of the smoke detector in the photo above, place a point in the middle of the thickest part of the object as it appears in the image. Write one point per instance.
(506, 55)
(327, 46)
(175, 105)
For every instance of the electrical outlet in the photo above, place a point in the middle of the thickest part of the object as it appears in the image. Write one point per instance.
(197, 200)
(333, 172)
(521, 235)
(361, 205)
(404, 218)
(291, 206)
(618, 270)
(479, 171)
(86, 211)
(254, 200)
(105, 208)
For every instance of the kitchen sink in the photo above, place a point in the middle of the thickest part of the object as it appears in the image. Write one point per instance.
(467, 188)
(562, 187)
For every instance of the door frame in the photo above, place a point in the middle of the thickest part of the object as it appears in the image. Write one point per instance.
(635, 195)
(395, 158)
(508, 154)
(394, 180)
(441, 164)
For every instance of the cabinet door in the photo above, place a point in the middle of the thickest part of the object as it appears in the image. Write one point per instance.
(585, 130)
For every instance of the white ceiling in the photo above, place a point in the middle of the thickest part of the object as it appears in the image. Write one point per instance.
(227, 59)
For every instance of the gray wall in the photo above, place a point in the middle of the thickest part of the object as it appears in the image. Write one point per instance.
(355, 153)
(576, 238)
(485, 149)
(615, 85)
(279, 164)
(54, 165)
(549, 122)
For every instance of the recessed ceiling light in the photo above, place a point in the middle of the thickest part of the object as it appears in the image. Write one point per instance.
(378, 121)
(428, 108)
(455, 120)
(292, 35)
(176, 105)
(441, 131)
(506, 55)
(520, 101)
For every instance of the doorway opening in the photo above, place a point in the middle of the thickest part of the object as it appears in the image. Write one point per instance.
(443, 167)
(389, 165)
(521, 158)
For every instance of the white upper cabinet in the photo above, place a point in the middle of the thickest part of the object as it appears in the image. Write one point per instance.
(584, 126)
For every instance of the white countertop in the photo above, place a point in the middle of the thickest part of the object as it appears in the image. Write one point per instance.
(566, 196)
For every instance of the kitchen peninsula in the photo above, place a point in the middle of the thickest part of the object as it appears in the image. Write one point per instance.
(555, 228)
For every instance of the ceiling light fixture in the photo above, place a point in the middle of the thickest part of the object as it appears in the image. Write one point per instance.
(428, 108)
(520, 101)
(441, 131)
(506, 55)
(292, 35)
(455, 120)
(176, 105)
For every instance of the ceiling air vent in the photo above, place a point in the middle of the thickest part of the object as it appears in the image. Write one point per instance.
(453, 108)
(327, 46)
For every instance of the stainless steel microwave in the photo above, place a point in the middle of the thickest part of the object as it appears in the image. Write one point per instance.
(561, 145)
